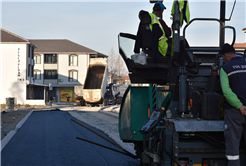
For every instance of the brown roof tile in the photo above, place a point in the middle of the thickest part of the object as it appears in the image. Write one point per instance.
(7, 36)
(125, 77)
(58, 46)
(240, 45)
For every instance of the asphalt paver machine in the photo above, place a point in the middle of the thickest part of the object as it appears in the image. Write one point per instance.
(176, 119)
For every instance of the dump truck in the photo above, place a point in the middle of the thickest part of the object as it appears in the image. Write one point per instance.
(177, 120)
(95, 82)
(78, 91)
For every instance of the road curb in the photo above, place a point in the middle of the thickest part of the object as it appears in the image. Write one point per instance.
(111, 110)
(8, 137)
(18, 126)
(116, 115)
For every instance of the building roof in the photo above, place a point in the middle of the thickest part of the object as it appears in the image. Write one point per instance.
(60, 46)
(125, 77)
(244, 30)
(7, 36)
(239, 45)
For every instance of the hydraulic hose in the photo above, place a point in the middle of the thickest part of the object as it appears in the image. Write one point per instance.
(217, 144)
(130, 154)
(133, 156)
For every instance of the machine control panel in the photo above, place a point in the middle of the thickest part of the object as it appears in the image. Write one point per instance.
(153, 120)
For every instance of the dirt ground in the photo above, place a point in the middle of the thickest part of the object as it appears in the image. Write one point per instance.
(9, 119)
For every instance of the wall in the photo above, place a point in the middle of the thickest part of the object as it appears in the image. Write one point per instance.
(35, 102)
(12, 84)
(63, 68)
(16, 58)
(41, 68)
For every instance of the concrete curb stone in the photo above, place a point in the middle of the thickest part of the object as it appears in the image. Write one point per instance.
(8, 137)
(111, 110)
(18, 126)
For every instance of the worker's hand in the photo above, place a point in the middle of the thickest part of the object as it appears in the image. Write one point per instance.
(243, 109)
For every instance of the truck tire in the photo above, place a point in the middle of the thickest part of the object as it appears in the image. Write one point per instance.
(105, 103)
(138, 147)
(88, 105)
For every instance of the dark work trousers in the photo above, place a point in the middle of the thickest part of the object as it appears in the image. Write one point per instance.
(235, 126)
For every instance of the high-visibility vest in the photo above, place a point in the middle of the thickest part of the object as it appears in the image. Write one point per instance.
(184, 11)
(162, 47)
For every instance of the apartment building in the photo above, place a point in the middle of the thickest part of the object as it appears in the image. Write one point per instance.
(60, 65)
(17, 65)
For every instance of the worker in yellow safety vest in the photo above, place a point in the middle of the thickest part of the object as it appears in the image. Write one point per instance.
(159, 30)
(184, 11)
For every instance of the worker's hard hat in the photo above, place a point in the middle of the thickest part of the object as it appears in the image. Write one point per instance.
(159, 6)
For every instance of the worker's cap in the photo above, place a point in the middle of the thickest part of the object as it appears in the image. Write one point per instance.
(227, 48)
(159, 6)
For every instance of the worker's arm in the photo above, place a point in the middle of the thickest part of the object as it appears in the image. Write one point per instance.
(167, 30)
(155, 41)
(230, 96)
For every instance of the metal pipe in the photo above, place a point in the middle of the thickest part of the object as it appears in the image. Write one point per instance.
(182, 91)
(213, 78)
(107, 147)
(222, 19)
(103, 137)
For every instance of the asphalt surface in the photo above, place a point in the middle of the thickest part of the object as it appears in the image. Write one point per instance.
(49, 138)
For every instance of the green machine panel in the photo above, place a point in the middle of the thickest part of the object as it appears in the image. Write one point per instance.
(134, 110)
(133, 113)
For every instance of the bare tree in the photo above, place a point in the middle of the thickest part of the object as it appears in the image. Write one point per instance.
(116, 65)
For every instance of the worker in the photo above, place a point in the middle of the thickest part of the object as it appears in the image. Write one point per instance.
(50, 100)
(184, 11)
(160, 32)
(68, 100)
(233, 83)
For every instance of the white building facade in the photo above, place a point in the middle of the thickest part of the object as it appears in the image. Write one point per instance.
(32, 70)
(17, 66)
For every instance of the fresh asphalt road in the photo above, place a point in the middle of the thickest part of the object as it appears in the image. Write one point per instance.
(49, 138)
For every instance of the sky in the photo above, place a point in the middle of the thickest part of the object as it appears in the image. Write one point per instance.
(96, 24)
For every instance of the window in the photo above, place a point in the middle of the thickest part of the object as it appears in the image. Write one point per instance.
(50, 58)
(50, 74)
(37, 59)
(32, 70)
(73, 75)
(29, 68)
(37, 74)
(32, 52)
(73, 60)
(29, 51)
